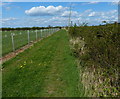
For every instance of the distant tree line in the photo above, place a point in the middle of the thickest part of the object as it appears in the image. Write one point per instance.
(28, 28)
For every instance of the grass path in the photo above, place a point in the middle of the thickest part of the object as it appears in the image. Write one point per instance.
(47, 69)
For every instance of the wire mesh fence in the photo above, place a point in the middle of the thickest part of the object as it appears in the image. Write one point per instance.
(12, 40)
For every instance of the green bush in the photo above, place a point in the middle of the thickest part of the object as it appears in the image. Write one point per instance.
(103, 48)
(103, 43)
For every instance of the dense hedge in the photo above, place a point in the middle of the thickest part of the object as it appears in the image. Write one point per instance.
(102, 45)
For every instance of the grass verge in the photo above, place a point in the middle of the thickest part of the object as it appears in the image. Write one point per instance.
(47, 69)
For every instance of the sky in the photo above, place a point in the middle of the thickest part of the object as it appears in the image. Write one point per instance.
(42, 14)
(60, 0)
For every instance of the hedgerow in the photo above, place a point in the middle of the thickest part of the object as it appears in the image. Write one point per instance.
(100, 51)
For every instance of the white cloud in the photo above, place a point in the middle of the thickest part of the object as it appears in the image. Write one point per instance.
(96, 17)
(92, 2)
(35, 21)
(85, 13)
(113, 12)
(67, 13)
(8, 19)
(8, 22)
(58, 20)
(42, 10)
(61, 17)
(92, 14)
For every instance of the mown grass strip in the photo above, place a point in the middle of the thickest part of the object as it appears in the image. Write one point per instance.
(47, 69)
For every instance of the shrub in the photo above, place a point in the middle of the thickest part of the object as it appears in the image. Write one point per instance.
(102, 49)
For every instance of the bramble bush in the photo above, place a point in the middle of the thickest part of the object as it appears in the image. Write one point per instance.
(102, 49)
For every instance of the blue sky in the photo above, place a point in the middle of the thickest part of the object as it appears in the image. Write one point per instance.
(29, 14)
(59, 0)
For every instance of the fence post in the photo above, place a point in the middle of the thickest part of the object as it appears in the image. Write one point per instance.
(13, 42)
(28, 36)
(49, 31)
(41, 33)
(45, 33)
(36, 34)
(52, 30)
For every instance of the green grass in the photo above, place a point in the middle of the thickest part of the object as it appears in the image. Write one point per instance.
(47, 69)
(20, 39)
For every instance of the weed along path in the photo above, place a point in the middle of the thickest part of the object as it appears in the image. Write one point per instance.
(47, 69)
